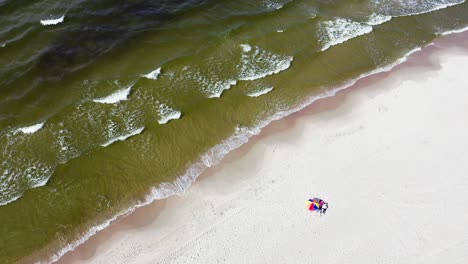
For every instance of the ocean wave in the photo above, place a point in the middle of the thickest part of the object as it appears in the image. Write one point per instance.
(21, 168)
(260, 92)
(412, 8)
(12, 199)
(455, 31)
(246, 47)
(212, 87)
(255, 63)
(65, 145)
(167, 114)
(340, 30)
(30, 129)
(120, 95)
(124, 137)
(215, 155)
(49, 22)
(153, 75)
(378, 19)
(273, 5)
(258, 63)
(20, 173)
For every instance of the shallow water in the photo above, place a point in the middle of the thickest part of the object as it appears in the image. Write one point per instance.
(101, 101)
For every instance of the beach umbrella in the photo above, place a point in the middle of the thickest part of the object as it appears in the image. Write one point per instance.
(314, 204)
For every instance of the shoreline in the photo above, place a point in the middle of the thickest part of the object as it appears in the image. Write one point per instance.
(323, 104)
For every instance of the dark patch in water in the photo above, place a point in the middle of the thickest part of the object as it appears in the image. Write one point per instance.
(8, 6)
(103, 27)
(91, 30)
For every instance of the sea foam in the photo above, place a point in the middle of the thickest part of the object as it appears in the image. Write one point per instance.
(273, 5)
(455, 31)
(257, 63)
(212, 87)
(220, 86)
(246, 47)
(120, 95)
(49, 22)
(124, 137)
(412, 8)
(340, 30)
(167, 114)
(31, 129)
(10, 200)
(378, 19)
(153, 75)
(21, 169)
(261, 92)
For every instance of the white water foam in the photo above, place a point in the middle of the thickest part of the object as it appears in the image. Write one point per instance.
(258, 63)
(124, 137)
(30, 129)
(261, 92)
(214, 88)
(413, 7)
(10, 200)
(15, 171)
(455, 31)
(220, 86)
(167, 114)
(3, 45)
(273, 5)
(39, 182)
(50, 22)
(340, 30)
(213, 157)
(378, 19)
(246, 47)
(120, 95)
(153, 75)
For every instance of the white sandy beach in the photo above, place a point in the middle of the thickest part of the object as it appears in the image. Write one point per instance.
(390, 155)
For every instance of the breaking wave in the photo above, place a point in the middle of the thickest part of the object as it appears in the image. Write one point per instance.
(123, 137)
(340, 30)
(31, 129)
(4, 202)
(167, 114)
(412, 7)
(260, 92)
(212, 87)
(273, 5)
(257, 63)
(50, 22)
(378, 19)
(120, 95)
(153, 75)
(246, 47)
(21, 173)
(460, 30)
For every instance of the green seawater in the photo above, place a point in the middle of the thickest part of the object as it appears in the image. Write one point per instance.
(85, 135)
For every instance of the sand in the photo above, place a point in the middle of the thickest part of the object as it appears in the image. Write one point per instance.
(390, 155)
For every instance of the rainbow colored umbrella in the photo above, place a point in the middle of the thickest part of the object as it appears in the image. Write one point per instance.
(314, 204)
